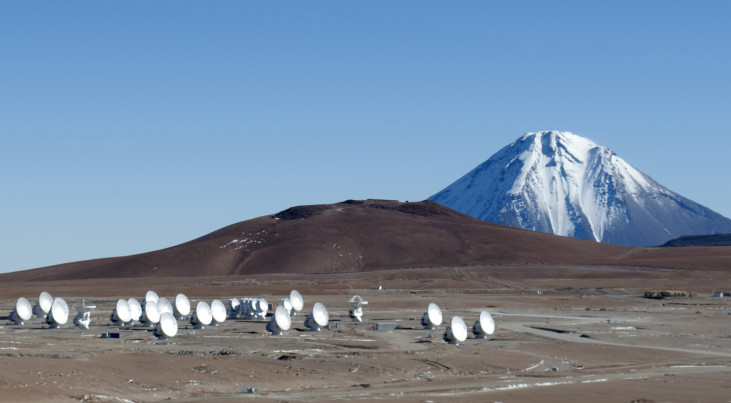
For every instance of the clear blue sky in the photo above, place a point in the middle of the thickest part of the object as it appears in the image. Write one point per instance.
(133, 126)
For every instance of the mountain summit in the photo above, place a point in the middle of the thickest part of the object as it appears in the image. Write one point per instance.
(564, 184)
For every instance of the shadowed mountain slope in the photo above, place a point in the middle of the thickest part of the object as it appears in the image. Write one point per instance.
(359, 236)
(700, 240)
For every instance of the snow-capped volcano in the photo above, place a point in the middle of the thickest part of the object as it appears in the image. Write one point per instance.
(561, 183)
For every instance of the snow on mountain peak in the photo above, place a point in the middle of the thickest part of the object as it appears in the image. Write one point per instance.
(565, 184)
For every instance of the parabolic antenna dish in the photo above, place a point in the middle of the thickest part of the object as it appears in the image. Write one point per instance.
(282, 318)
(298, 303)
(167, 327)
(164, 305)
(457, 331)
(320, 314)
(202, 315)
(150, 314)
(218, 311)
(286, 303)
(485, 325)
(121, 312)
(234, 306)
(181, 307)
(280, 321)
(59, 314)
(263, 306)
(23, 311)
(135, 309)
(43, 307)
(151, 296)
(434, 314)
(432, 317)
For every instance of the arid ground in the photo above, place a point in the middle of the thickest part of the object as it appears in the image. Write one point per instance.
(571, 333)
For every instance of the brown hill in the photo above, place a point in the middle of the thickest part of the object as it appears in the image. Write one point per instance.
(367, 235)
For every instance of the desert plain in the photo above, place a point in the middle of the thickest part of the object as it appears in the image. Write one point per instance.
(563, 333)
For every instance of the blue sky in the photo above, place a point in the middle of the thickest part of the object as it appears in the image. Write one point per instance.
(129, 127)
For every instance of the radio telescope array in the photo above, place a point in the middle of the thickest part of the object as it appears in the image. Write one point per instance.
(253, 308)
(318, 318)
(161, 315)
(246, 308)
(23, 311)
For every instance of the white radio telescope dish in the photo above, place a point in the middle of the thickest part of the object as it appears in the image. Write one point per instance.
(166, 327)
(83, 313)
(59, 313)
(150, 313)
(135, 310)
(298, 303)
(164, 305)
(261, 307)
(202, 315)
(233, 308)
(356, 308)
(23, 311)
(43, 306)
(121, 313)
(432, 317)
(286, 303)
(280, 321)
(484, 326)
(218, 312)
(181, 306)
(456, 332)
(151, 296)
(318, 318)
